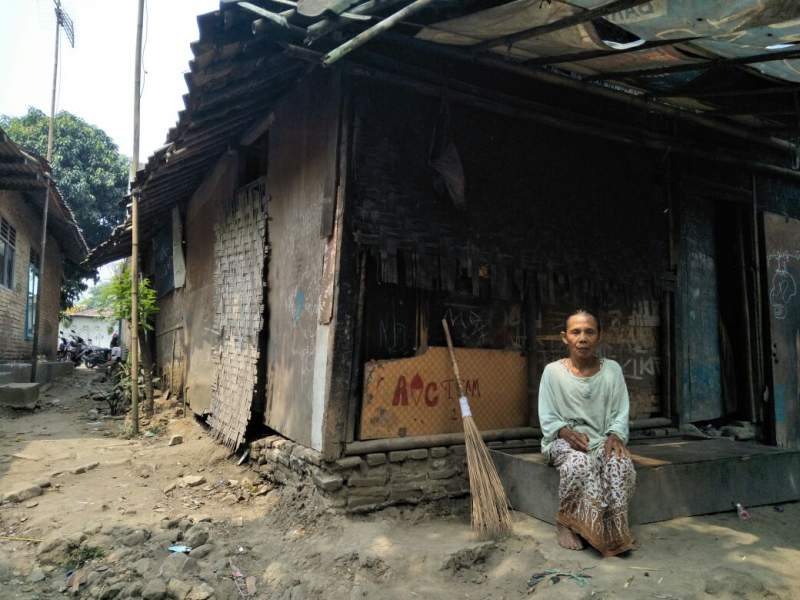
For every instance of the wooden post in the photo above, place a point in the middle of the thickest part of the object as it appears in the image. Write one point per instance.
(135, 229)
(366, 35)
(43, 243)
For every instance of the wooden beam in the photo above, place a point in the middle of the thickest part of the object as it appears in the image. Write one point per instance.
(785, 89)
(754, 112)
(714, 63)
(522, 109)
(22, 186)
(13, 160)
(592, 54)
(571, 21)
(558, 80)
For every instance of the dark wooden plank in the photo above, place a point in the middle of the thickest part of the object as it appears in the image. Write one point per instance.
(782, 249)
(697, 343)
(303, 150)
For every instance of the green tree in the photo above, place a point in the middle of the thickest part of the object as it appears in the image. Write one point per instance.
(89, 170)
(96, 297)
(115, 297)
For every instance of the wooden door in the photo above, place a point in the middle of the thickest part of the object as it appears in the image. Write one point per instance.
(782, 252)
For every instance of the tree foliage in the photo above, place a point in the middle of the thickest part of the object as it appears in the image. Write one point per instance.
(115, 297)
(89, 170)
(92, 299)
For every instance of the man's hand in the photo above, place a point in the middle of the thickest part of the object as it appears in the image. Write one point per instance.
(615, 447)
(578, 441)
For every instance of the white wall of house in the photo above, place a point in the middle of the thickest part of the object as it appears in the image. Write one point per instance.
(98, 329)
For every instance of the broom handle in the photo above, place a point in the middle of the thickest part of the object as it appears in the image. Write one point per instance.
(452, 356)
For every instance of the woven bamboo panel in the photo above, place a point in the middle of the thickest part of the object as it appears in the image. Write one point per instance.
(419, 396)
(239, 246)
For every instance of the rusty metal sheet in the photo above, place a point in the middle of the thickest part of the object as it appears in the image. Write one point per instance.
(651, 58)
(513, 17)
(419, 395)
(760, 40)
(670, 19)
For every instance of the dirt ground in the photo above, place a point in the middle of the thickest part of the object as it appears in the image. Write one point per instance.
(113, 507)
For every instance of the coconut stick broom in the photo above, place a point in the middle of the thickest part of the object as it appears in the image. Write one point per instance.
(491, 518)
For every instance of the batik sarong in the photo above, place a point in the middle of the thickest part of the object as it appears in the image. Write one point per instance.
(593, 493)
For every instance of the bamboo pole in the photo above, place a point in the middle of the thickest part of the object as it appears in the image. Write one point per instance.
(43, 243)
(135, 228)
(366, 35)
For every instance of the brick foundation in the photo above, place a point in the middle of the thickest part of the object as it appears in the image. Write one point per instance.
(367, 482)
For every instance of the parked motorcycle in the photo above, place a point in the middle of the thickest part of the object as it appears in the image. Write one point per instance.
(93, 356)
(75, 348)
(63, 344)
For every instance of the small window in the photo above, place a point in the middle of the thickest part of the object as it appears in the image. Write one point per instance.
(33, 290)
(8, 242)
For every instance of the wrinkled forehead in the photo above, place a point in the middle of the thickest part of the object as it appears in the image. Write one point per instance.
(581, 321)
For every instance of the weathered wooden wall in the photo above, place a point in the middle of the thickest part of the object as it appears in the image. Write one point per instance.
(697, 315)
(203, 212)
(301, 184)
(552, 221)
(170, 341)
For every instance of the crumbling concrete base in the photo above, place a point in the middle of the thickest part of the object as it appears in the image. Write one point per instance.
(19, 395)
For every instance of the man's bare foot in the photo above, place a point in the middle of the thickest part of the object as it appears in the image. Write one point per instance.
(568, 539)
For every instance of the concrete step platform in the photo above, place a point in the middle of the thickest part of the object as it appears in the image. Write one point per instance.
(46, 371)
(675, 478)
(19, 395)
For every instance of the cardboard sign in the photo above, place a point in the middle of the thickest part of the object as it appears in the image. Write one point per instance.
(419, 395)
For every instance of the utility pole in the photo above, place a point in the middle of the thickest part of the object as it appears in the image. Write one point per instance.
(62, 20)
(137, 89)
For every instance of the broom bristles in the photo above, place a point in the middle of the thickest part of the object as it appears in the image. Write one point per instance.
(491, 518)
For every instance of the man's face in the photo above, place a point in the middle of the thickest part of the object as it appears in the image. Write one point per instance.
(582, 336)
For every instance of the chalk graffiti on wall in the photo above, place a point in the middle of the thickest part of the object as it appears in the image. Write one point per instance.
(783, 288)
(392, 330)
(468, 324)
(498, 325)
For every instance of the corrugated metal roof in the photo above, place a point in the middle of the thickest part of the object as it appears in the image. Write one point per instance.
(670, 52)
(23, 172)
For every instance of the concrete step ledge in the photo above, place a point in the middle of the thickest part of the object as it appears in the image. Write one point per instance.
(19, 395)
(674, 479)
(46, 371)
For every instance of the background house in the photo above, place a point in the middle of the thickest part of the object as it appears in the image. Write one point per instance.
(91, 324)
(23, 185)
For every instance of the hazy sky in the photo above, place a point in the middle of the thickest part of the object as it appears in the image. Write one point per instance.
(96, 81)
(96, 76)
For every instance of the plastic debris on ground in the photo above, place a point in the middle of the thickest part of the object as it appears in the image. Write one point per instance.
(778, 508)
(743, 513)
(180, 548)
(580, 578)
